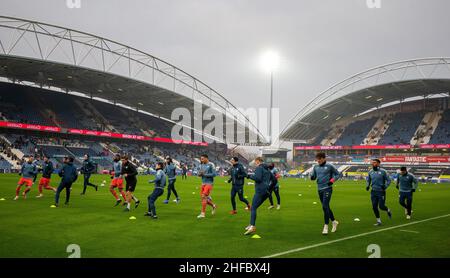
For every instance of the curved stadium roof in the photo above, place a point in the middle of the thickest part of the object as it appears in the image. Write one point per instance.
(375, 88)
(38, 54)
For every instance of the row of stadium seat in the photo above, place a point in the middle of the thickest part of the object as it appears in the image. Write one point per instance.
(399, 130)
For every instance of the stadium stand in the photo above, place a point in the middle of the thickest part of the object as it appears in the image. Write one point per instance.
(402, 128)
(39, 106)
(355, 133)
(442, 132)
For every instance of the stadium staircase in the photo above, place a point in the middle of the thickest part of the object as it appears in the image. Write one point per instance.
(46, 113)
(8, 159)
(426, 128)
(378, 130)
(77, 159)
(16, 152)
(109, 148)
(332, 136)
(343, 168)
(138, 123)
(90, 110)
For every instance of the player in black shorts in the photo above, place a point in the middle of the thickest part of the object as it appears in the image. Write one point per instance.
(129, 172)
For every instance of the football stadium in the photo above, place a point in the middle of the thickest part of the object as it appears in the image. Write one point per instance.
(90, 167)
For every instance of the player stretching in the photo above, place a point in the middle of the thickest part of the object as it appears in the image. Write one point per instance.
(406, 184)
(262, 178)
(379, 179)
(207, 173)
(160, 182)
(44, 182)
(69, 175)
(129, 172)
(28, 172)
(237, 176)
(87, 169)
(117, 180)
(325, 174)
(275, 188)
(171, 173)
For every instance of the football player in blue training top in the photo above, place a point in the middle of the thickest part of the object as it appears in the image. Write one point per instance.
(379, 179)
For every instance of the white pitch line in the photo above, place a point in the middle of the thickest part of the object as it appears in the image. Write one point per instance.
(409, 231)
(354, 236)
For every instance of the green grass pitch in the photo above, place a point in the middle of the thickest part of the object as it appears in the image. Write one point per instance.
(30, 228)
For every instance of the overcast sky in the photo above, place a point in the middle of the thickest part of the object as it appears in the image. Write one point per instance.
(321, 42)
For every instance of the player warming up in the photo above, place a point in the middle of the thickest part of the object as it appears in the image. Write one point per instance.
(47, 171)
(87, 169)
(207, 173)
(379, 179)
(237, 177)
(171, 173)
(69, 175)
(27, 173)
(129, 172)
(160, 182)
(262, 178)
(326, 175)
(274, 188)
(117, 180)
(406, 185)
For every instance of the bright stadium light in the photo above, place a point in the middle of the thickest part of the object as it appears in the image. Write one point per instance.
(270, 60)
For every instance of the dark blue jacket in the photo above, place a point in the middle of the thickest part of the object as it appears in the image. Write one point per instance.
(47, 171)
(262, 178)
(131, 172)
(88, 167)
(237, 175)
(68, 173)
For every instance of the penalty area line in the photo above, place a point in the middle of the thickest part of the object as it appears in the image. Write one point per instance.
(351, 237)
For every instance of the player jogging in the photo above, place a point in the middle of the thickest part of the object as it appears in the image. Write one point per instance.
(171, 173)
(117, 180)
(129, 172)
(36, 162)
(274, 188)
(69, 175)
(160, 182)
(262, 178)
(207, 173)
(406, 184)
(87, 169)
(379, 179)
(47, 171)
(325, 174)
(27, 173)
(237, 177)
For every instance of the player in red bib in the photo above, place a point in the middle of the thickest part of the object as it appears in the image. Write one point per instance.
(117, 180)
(47, 171)
(28, 172)
(207, 173)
